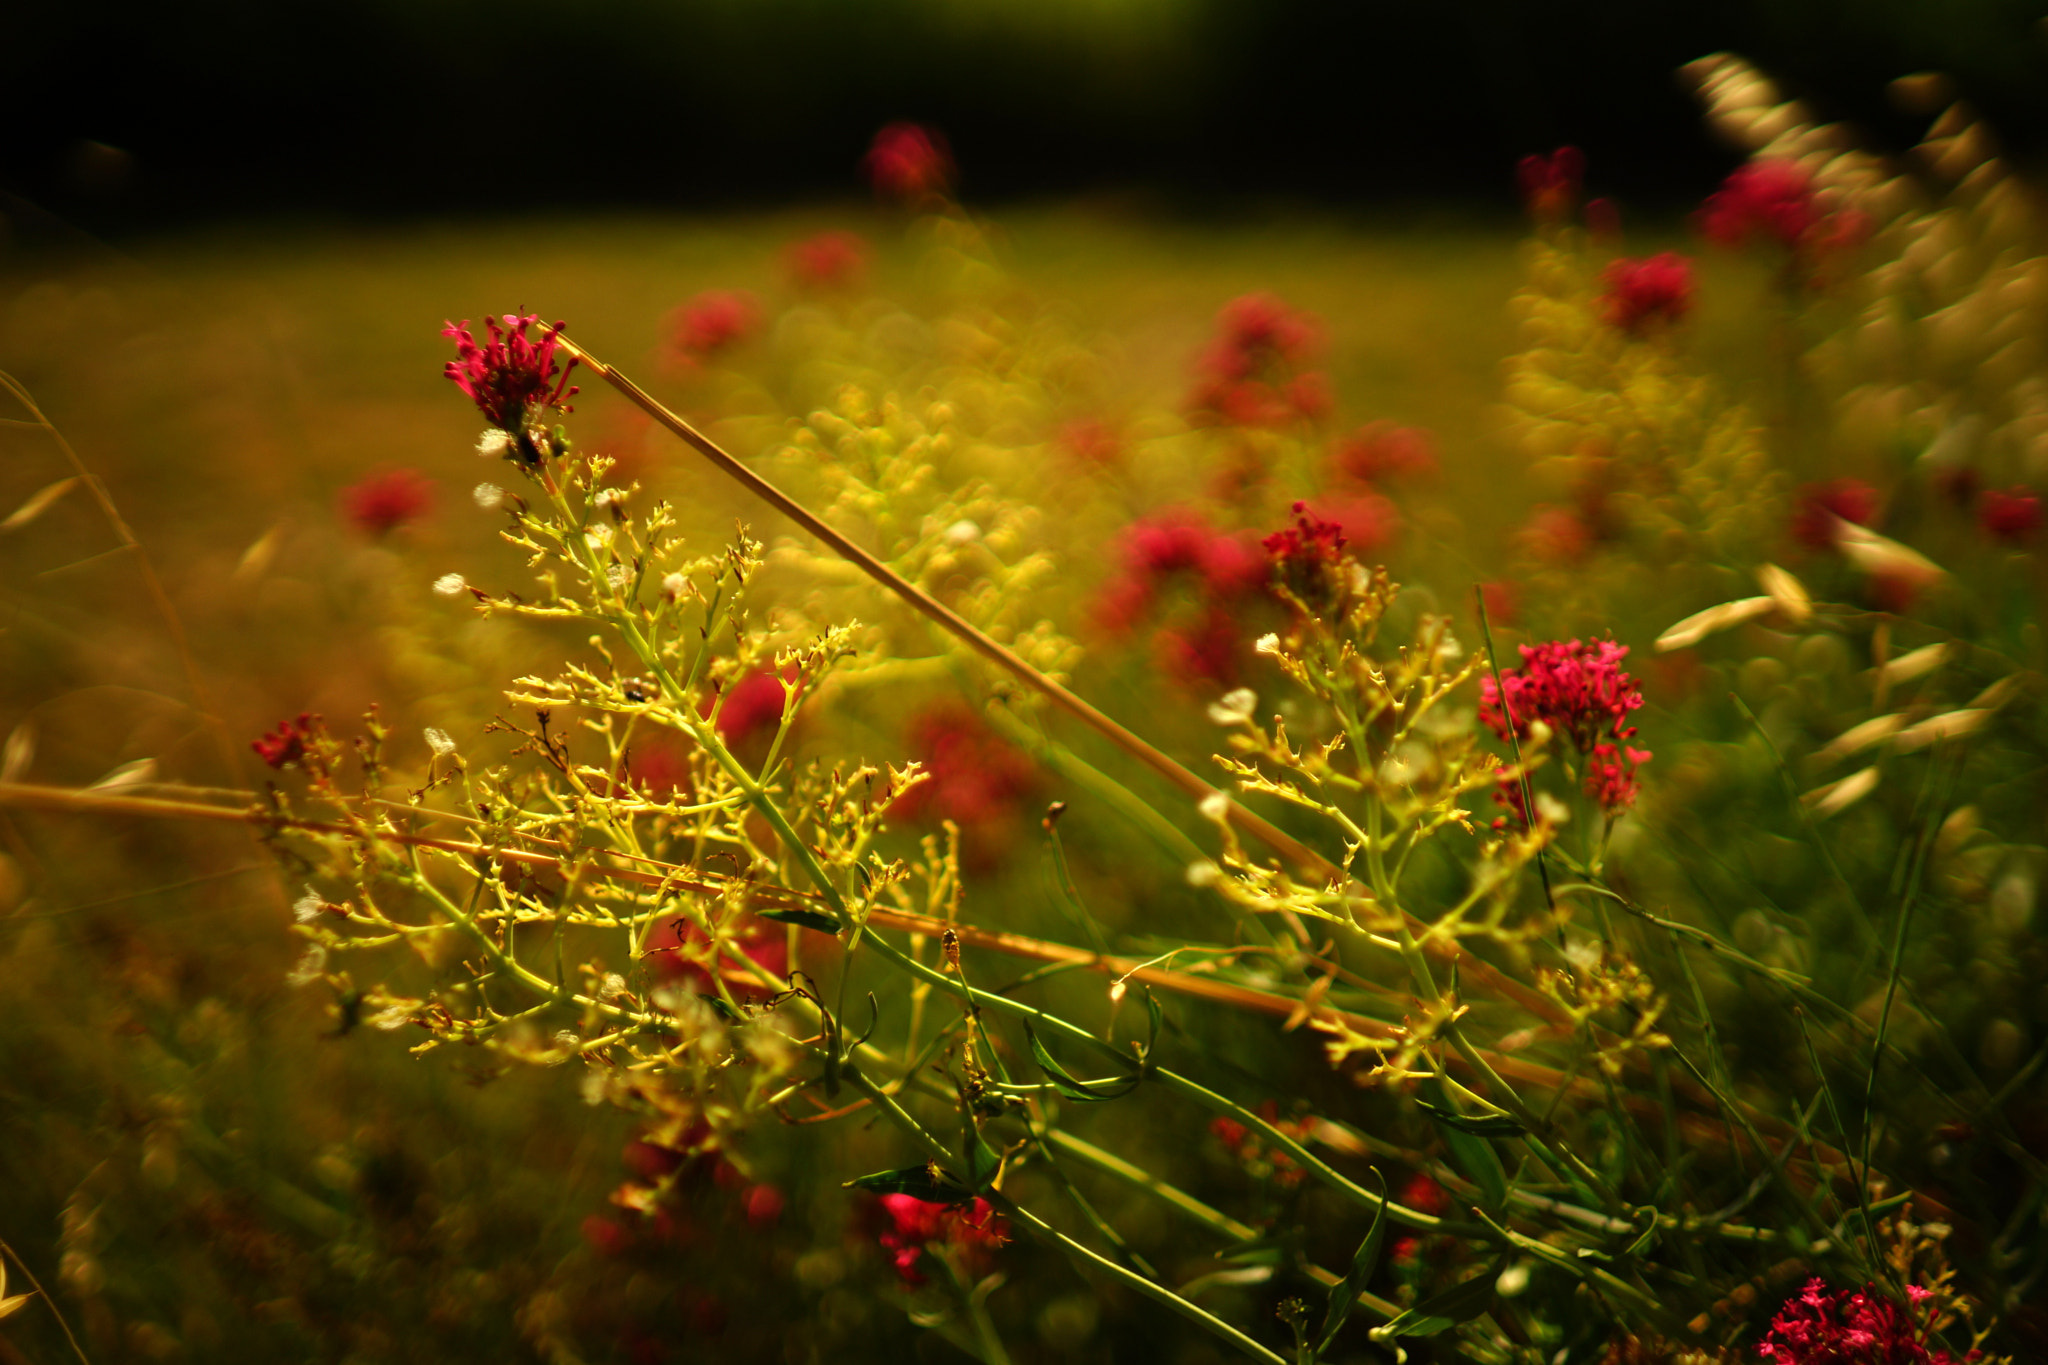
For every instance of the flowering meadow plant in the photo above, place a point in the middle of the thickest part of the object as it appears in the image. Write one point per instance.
(1173, 904)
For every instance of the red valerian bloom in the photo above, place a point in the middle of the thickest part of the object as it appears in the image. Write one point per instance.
(1850, 1327)
(1776, 201)
(1424, 1195)
(1207, 650)
(976, 777)
(288, 743)
(752, 707)
(1305, 548)
(1381, 452)
(911, 1225)
(1580, 692)
(1252, 375)
(830, 260)
(1558, 535)
(2012, 515)
(908, 162)
(513, 378)
(1653, 290)
(386, 501)
(1816, 505)
(761, 940)
(713, 321)
(1550, 184)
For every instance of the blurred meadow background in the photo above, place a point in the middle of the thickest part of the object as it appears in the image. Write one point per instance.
(232, 238)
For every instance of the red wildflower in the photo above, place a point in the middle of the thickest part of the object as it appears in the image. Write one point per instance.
(1769, 199)
(1370, 521)
(1849, 1327)
(2012, 515)
(1306, 555)
(1558, 535)
(764, 1204)
(1381, 452)
(971, 1231)
(513, 379)
(715, 320)
(752, 707)
(288, 744)
(1641, 293)
(606, 1237)
(669, 958)
(830, 260)
(388, 500)
(1550, 184)
(1503, 603)
(1580, 692)
(1816, 505)
(1251, 374)
(908, 162)
(1208, 650)
(975, 778)
(1424, 1195)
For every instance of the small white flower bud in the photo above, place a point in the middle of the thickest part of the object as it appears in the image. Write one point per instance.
(597, 535)
(306, 908)
(962, 531)
(493, 443)
(1268, 644)
(439, 742)
(674, 586)
(1233, 707)
(1203, 873)
(489, 496)
(1551, 810)
(1215, 806)
(450, 584)
(614, 986)
(618, 575)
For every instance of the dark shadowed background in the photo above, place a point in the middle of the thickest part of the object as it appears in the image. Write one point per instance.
(124, 116)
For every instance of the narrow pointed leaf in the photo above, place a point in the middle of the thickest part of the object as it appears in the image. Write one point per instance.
(1344, 1294)
(38, 503)
(803, 919)
(1441, 1312)
(1479, 1125)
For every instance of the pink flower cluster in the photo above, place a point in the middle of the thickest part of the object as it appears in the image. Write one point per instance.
(1253, 373)
(1817, 506)
(1850, 1327)
(830, 260)
(288, 743)
(1179, 548)
(2011, 515)
(513, 378)
(388, 500)
(1550, 184)
(1775, 201)
(908, 162)
(1381, 452)
(714, 321)
(1639, 294)
(911, 1226)
(1580, 691)
(974, 778)
(761, 940)
(1306, 558)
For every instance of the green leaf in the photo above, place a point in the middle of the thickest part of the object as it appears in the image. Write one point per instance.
(1344, 1294)
(803, 919)
(721, 1009)
(1066, 1084)
(1441, 1312)
(1479, 1125)
(1474, 1156)
(919, 1182)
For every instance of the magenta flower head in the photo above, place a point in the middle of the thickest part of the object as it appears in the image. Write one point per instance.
(1818, 506)
(1580, 692)
(1643, 294)
(1308, 559)
(288, 743)
(2011, 515)
(1849, 1327)
(908, 162)
(1550, 184)
(970, 1231)
(1773, 200)
(513, 378)
(387, 500)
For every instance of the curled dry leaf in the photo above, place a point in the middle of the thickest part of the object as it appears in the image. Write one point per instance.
(1882, 556)
(1947, 725)
(127, 775)
(1701, 624)
(38, 503)
(1794, 603)
(1909, 666)
(1836, 797)
(1860, 737)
